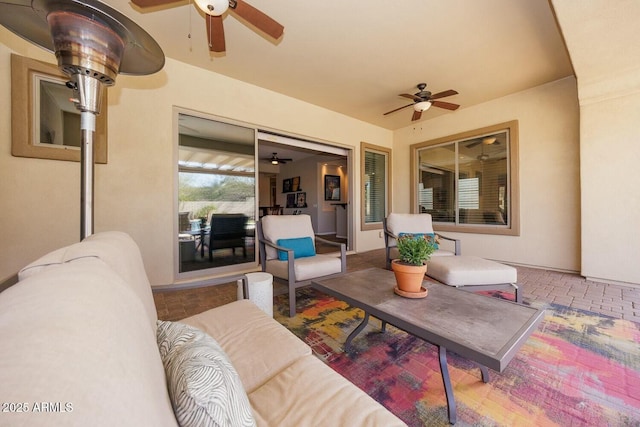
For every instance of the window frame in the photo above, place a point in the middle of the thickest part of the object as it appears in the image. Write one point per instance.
(387, 152)
(513, 228)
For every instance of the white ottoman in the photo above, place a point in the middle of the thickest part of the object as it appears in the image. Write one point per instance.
(472, 273)
(260, 290)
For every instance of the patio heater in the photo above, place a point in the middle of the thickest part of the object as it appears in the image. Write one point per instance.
(93, 43)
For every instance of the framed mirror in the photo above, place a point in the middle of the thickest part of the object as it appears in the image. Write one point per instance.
(45, 123)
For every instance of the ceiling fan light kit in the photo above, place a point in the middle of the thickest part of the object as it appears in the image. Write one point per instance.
(422, 106)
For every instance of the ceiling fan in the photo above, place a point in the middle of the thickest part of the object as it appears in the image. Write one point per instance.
(215, 9)
(275, 160)
(423, 100)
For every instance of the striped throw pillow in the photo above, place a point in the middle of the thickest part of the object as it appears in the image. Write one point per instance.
(204, 387)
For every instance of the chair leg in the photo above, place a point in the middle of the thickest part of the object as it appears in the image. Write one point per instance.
(292, 300)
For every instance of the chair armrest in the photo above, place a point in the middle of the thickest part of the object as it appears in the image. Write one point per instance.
(343, 251)
(328, 242)
(457, 242)
(278, 248)
(389, 235)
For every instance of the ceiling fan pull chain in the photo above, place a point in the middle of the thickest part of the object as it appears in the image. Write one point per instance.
(210, 32)
(189, 35)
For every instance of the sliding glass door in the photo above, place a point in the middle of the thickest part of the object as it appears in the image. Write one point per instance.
(216, 196)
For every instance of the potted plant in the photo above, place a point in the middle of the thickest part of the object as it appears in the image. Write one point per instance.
(415, 250)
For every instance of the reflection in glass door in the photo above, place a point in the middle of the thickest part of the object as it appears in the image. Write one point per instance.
(216, 195)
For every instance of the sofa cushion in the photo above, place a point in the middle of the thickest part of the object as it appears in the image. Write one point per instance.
(409, 223)
(78, 335)
(240, 328)
(301, 246)
(204, 387)
(275, 227)
(310, 393)
(116, 249)
(470, 270)
(306, 268)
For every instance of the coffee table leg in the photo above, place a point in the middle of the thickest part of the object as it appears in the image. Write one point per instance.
(446, 380)
(485, 373)
(355, 332)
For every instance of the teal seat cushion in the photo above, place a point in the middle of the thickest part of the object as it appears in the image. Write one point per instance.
(302, 247)
(431, 235)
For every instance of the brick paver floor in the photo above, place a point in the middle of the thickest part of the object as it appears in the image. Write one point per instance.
(545, 286)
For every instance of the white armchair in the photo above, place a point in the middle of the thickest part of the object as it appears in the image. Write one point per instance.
(397, 223)
(287, 251)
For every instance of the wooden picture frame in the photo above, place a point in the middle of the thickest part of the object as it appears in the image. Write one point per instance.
(332, 187)
(301, 200)
(291, 200)
(31, 136)
(286, 185)
(295, 184)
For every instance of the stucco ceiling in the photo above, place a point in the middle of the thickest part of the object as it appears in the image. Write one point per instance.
(604, 40)
(355, 57)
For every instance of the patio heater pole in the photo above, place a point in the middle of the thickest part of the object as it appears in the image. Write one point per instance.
(87, 127)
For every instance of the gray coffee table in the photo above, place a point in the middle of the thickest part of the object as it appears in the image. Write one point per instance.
(488, 331)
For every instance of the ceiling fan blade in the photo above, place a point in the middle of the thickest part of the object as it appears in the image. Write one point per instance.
(416, 115)
(151, 3)
(215, 33)
(258, 19)
(415, 98)
(473, 144)
(445, 105)
(397, 109)
(446, 93)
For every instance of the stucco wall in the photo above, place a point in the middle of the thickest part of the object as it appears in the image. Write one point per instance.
(610, 152)
(548, 119)
(607, 66)
(134, 192)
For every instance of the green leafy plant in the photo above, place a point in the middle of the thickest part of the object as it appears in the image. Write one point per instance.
(204, 211)
(415, 249)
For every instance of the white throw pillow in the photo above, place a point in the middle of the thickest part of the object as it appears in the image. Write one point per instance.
(204, 387)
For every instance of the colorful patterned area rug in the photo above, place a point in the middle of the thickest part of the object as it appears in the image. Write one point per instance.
(578, 369)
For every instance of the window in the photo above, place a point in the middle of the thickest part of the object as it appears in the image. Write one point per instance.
(469, 182)
(375, 167)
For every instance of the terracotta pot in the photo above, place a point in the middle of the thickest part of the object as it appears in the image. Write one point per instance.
(408, 277)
